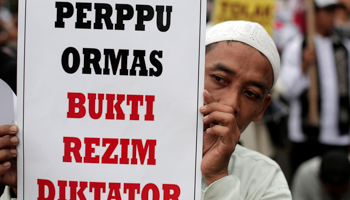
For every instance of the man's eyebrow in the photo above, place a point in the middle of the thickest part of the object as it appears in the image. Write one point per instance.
(221, 67)
(261, 85)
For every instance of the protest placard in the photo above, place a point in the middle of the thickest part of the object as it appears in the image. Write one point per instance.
(260, 11)
(109, 97)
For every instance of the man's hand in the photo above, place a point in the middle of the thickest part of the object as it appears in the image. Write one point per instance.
(309, 58)
(220, 136)
(8, 154)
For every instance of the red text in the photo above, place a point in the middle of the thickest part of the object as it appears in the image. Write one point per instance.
(77, 109)
(102, 190)
(72, 146)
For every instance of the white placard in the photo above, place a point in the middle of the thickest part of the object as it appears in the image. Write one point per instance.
(109, 97)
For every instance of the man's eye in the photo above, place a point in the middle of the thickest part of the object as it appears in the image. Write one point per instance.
(220, 80)
(217, 78)
(252, 94)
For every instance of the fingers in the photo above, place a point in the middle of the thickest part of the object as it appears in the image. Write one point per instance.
(309, 56)
(6, 155)
(213, 106)
(8, 143)
(4, 167)
(8, 130)
(208, 98)
(225, 134)
(218, 117)
(309, 52)
(221, 124)
(209, 108)
(7, 136)
(7, 152)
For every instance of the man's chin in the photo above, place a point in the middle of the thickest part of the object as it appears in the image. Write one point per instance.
(242, 129)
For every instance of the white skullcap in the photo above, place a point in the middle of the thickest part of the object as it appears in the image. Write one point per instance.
(325, 3)
(250, 33)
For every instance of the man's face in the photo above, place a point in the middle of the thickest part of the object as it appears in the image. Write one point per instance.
(325, 20)
(239, 76)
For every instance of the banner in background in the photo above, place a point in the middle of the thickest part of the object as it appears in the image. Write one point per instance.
(260, 11)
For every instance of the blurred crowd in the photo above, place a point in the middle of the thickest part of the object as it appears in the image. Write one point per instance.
(8, 42)
(310, 153)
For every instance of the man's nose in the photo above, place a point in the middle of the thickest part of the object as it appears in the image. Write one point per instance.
(232, 99)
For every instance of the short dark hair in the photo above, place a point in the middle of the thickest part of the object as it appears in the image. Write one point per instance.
(335, 168)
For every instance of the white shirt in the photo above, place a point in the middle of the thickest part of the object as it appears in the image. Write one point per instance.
(251, 176)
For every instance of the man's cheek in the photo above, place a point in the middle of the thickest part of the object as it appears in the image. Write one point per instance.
(207, 84)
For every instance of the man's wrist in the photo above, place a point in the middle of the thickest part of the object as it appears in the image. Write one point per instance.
(209, 179)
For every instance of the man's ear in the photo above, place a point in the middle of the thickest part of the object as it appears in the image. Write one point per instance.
(263, 108)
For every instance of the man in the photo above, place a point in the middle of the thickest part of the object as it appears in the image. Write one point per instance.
(323, 178)
(242, 65)
(331, 57)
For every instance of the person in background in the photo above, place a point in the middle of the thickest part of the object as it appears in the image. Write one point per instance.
(342, 18)
(331, 57)
(8, 49)
(323, 178)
